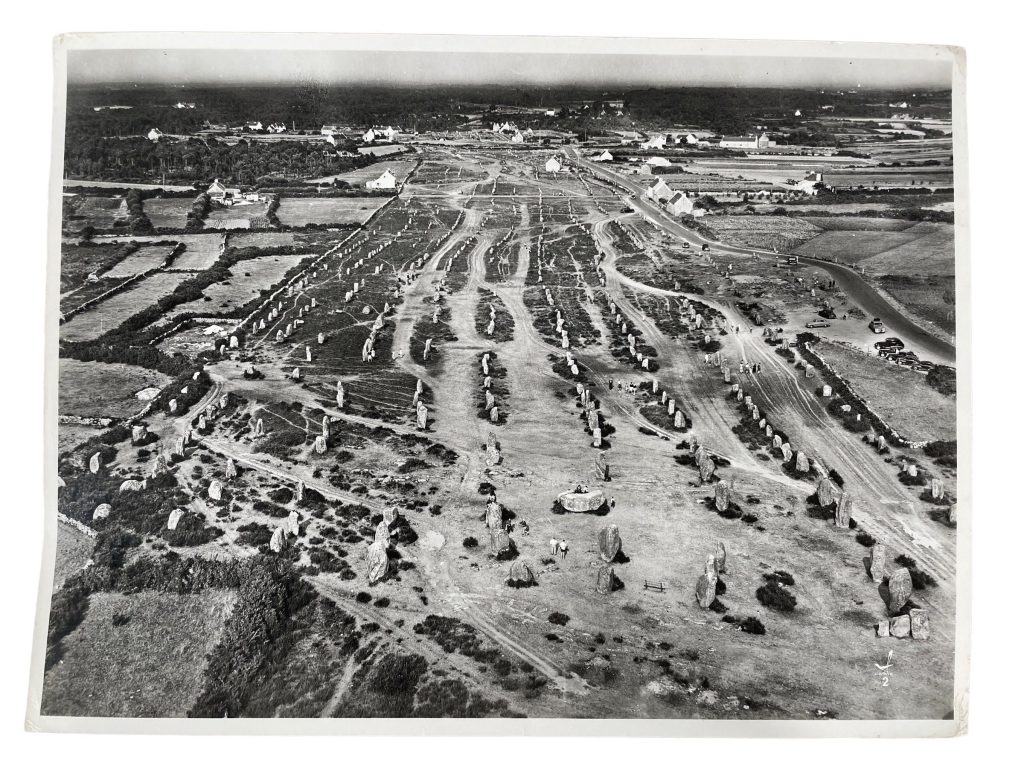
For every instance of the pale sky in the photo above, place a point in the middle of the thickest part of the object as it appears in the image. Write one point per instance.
(203, 66)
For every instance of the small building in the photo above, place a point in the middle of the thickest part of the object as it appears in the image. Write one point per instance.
(328, 130)
(679, 204)
(154, 134)
(659, 191)
(224, 195)
(552, 165)
(255, 125)
(658, 162)
(386, 180)
(517, 138)
(277, 128)
(603, 157)
(657, 141)
(811, 183)
(370, 136)
(746, 142)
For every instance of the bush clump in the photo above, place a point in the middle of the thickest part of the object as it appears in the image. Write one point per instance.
(773, 595)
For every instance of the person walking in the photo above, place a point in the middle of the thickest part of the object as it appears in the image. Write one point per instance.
(563, 548)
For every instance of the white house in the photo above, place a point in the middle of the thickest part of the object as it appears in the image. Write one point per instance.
(277, 128)
(154, 134)
(658, 162)
(746, 142)
(185, 105)
(337, 139)
(552, 165)
(370, 136)
(659, 191)
(386, 180)
(679, 204)
(327, 130)
(517, 138)
(549, 113)
(657, 141)
(604, 157)
(256, 125)
(808, 184)
(222, 194)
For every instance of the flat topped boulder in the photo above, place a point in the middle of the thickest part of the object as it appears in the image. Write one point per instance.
(581, 500)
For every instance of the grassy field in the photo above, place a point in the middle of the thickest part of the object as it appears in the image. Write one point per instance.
(201, 250)
(929, 253)
(928, 297)
(78, 262)
(900, 396)
(236, 217)
(151, 666)
(780, 232)
(855, 223)
(100, 212)
(103, 389)
(171, 212)
(146, 258)
(853, 247)
(358, 177)
(299, 211)
(110, 313)
(247, 279)
(74, 549)
(260, 239)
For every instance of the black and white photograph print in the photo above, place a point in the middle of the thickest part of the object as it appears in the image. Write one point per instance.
(504, 380)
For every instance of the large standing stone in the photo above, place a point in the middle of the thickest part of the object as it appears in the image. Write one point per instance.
(721, 496)
(500, 542)
(609, 543)
(382, 534)
(132, 485)
(292, 524)
(802, 464)
(720, 558)
(300, 491)
(320, 445)
(826, 492)
(102, 512)
(377, 563)
(919, 628)
(844, 510)
(341, 395)
(605, 579)
(325, 427)
(900, 626)
(95, 463)
(258, 431)
(138, 433)
(391, 515)
(707, 584)
(900, 589)
(787, 452)
(521, 574)
(601, 466)
(216, 490)
(878, 557)
(421, 416)
(174, 518)
(938, 489)
(493, 516)
(707, 469)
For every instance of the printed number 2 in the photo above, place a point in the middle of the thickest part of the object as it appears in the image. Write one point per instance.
(885, 681)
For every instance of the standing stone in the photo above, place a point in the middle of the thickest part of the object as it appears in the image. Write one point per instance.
(494, 415)
(382, 534)
(421, 416)
(521, 574)
(95, 463)
(216, 490)
(230, 470)
(720, 558)
(300, 491)
(601, 467)
(138, 433)
(938, 489)
(233, 344)
(721, 496)
(605, 579)
(878, 556)
(900, 589)
(952, 514)
(493, 516)
(174, 518)
(377, 563)
(609, 543)
(597, 437)
(278, 541)
(341, 395)
(707, 584)
(678, 420)
(844, 510)
(919, 628)
(671, 407)
(391, 516)
(201, 423)
(172, 406)
(777, 441)
(258, 431)
(500, 542)
(320, 445)
(296, 375)
(826, 390)
(707, 469)
(292, 524)
(882, 630)
(102, 512)
(802, 464)
(825, 492)
(325, 427)
(900, 627)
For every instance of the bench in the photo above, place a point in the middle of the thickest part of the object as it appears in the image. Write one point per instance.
(657, 586)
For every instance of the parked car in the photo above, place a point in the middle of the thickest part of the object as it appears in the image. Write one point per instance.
(818, 324)
(705, 247)
(877, 326)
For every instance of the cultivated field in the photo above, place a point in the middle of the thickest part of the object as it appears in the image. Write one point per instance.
(300, 211)
(247, 279)
(898, 395)
(201, 250)
(142, 260)
(768, 232)
(235, 217)
(103, 389)
(113, 311)
(150, 666)
(169, 212)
